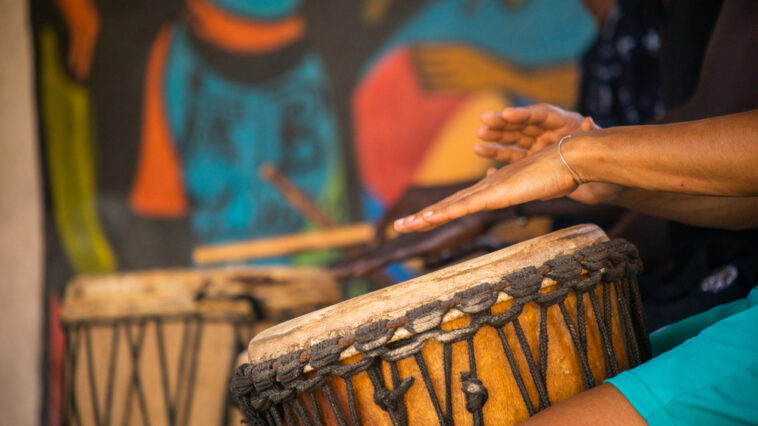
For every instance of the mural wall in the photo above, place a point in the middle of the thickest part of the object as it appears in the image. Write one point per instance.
(156, 116)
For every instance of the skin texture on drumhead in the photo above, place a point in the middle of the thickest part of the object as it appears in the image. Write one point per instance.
(392, 302)
(211, 292)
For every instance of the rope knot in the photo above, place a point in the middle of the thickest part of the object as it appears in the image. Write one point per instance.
(326, 353)
(372, 336)
(523, 283)
(476, 393)
(389, 399)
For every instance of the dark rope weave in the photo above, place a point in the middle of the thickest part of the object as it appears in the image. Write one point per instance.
(268, 391)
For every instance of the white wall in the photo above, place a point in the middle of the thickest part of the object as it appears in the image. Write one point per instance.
(20, 224)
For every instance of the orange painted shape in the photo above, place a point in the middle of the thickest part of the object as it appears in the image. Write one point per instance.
(242, 35)
(158, 189)
(450, 158)
(396, 121)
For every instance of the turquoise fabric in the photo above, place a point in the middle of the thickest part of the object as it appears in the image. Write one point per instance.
(705, 371)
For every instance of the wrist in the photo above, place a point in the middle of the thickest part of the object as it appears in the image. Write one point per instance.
(582, 154)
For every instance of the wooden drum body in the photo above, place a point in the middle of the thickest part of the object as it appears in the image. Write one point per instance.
(488, 341)
(159, 347)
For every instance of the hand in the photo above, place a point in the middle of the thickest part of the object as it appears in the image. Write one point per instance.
(414, 199)
(539, 176)
(518, 132)
(83, 22)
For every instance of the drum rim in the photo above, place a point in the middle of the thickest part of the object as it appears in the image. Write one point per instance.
(184, 291)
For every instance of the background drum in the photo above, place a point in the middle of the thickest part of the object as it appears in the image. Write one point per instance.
(158, 347)
(491, 340)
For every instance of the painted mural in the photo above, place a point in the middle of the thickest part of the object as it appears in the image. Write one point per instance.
(155, 117)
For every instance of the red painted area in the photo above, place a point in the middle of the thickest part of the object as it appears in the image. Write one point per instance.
(56, 342)
(395, 123)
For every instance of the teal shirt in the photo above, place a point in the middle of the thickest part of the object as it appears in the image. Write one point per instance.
(704, 370)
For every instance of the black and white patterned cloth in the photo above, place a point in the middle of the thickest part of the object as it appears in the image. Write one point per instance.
(621, 82)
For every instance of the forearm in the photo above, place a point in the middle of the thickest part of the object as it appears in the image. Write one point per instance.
(715, 156)
(696, 210)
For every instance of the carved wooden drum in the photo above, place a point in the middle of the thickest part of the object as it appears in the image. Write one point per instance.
(488, 341)
(158, 348)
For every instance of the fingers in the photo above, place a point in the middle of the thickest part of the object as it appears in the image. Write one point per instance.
(467, 201)
(521, 126)
(504, 154)
(493, 120)
(517, 115)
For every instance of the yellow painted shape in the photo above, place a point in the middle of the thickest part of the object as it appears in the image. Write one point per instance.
(374, 11)
(68, 131)
(450, 157)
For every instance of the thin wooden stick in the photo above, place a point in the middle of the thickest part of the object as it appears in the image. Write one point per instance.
(337, 237)
(296, 197)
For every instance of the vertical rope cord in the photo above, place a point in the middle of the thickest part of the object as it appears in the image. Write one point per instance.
(301, 413)
(515, 371)
(70, 411)
(430, 387)
(135, 384)
(639, 318)
(581, 351)
(333, 403)
(630, 339)
(475, 392)
(111, 374)
(581, 322)
(288, 416)
(542, 348)
(162, 360)
(447, 365)
(354, 415)
(316, 408)
(199, 326)
(274, 413)
(182, 367)
(91, 375)
(395, 376)
(606, 338)
(537, 378)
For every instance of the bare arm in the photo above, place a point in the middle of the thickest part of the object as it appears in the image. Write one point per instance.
(715, 156)
(603, 405)
(697, 210)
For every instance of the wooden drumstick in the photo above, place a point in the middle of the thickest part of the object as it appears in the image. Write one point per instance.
(336, 237)
(296, 197)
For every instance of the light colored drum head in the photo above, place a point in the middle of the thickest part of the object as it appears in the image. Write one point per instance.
(289, 291)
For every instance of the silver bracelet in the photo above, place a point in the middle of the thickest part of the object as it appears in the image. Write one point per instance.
(578, 180)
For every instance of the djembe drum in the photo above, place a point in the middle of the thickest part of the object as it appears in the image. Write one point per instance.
(148, 347)
(491, 340)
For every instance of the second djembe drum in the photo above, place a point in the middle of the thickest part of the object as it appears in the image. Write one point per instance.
(488, 341)
(159, 347)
